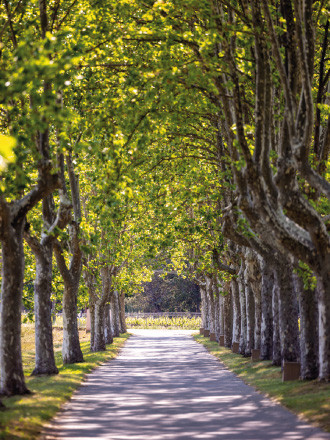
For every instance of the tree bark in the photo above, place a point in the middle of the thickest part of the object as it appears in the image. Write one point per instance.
(249, 320)
(99, 342)
(71, 351)
(115, 314)
(203, 307)
(276, 356)
(12, 377)
(228, 319)
(288, 314)
(122, 312)
(267, 282)
(209, 292)
(324, 326)
(45, 358)
(107, 325)
(236, 311)
(309, 341)
(242, 301)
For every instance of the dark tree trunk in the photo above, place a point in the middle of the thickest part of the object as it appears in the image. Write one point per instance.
(122, 312)
(249, 320)
(45, 359)
(217, 316)
(236, 311)
(115, 314)
(12, 377)
(107, 325)
(228, 319)
(242, 301)
(267, 283)
(276, 326)
(309, 343)
(254, 281)
(288, 314)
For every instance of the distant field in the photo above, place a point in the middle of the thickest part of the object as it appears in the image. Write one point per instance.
(186, 323)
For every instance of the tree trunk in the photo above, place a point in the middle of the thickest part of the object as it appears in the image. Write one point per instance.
(71, 350)
(107, 325)
(228, 319)
(249, 319)
(115, 314)
(254, 280)
(288, 314)
(122, 312)
(236, 311)
(267, 282)
(12, 377)
(217, 316)
(242, 301)
(324, 326)
(203, 307)
(209, 292)
(276, 356)
(44, 359)
(99, 336)
(92, 318)
(309, 344)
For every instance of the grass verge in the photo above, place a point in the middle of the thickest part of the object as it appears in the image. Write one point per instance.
(25, 416)
(308, 399)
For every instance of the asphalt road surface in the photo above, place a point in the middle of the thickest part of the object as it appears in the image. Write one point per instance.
(165, 386)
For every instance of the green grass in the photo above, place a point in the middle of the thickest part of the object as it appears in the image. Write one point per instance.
(308, 399)
(25, 416)
(165, 322)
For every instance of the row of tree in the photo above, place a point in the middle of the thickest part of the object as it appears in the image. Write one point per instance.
(197, 131)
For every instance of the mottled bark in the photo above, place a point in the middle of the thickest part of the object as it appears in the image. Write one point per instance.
(249, 320)
(324, 326)
(309, 343)
(99, 334)
(217, 316)
(254, 281)
(71, 351)
(236, 311)
(288, 314)
(44, 358)
(92, 318)
(107, 325)
(12, 377)
(210, 295)
(276, 355)
(221, 318)
(267, 283)
(242, 301)
(203, 307)
(114, 305)
(228, 319)
(122, 312)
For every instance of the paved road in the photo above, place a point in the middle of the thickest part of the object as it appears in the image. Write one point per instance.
(165, 386)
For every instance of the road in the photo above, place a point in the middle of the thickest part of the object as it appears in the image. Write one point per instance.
(165, 386)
